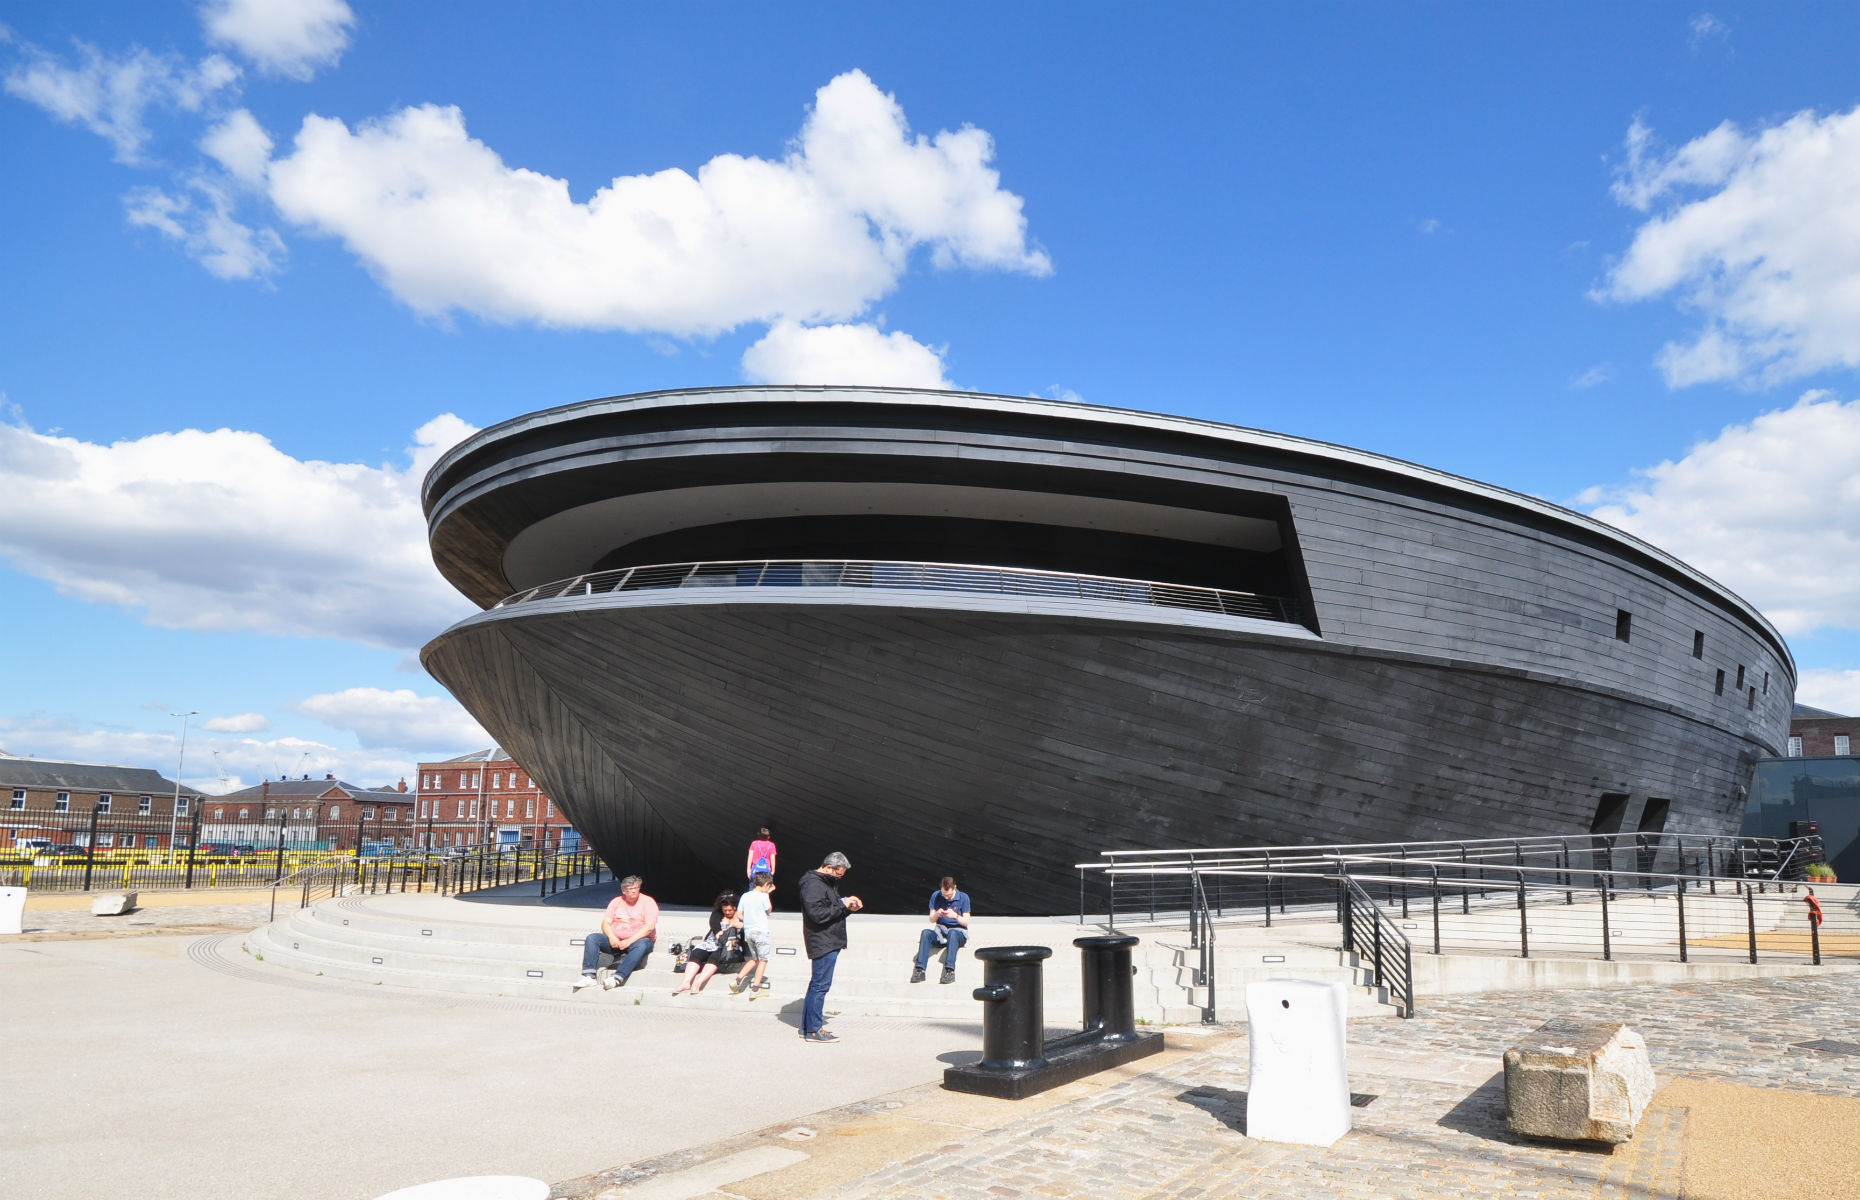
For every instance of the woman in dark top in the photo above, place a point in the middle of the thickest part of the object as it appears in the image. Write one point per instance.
(717, 949)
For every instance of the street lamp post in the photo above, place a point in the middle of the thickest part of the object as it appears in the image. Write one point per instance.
(174, 809)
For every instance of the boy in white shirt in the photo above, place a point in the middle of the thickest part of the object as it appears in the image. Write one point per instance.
(754, 909)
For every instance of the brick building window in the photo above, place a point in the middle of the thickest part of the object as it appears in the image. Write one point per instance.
(180, 807)
(474, 808)
(19, 797)
(390, 814)
(548, 808)
(103, 803)
(219, 814)
(1841, 743)
(61, 802)
(335, 811)
(1795, 747)
(462, 780)
(461, 815)
(244, 814)
(510, 807)
(529, 807)
(271, 814)
(368, 813)
(146, 804)
(497, 779)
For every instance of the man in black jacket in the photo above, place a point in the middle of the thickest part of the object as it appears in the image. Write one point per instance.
(823, 932)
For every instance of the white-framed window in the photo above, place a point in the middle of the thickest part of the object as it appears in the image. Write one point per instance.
(1795, 747)
(1841, 744)
(244, 814)
(461, 815)
(422, 810)
(510, 807)
(271, 814)
(464, 780)
(548, 808)
(219, 814)
(61, 802)
(103, 802)
(474, 808)
(19, 797)
(391, 814)
(497, 780)
(109, 839)
(150, 841)
(368, 813)
(335, 811)
(529, 807)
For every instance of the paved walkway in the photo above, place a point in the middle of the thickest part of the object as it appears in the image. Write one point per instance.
(1744, 1111)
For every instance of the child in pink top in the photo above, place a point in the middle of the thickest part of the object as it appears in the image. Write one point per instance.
(761, 855)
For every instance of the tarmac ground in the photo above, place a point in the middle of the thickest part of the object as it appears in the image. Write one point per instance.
(158, 1060)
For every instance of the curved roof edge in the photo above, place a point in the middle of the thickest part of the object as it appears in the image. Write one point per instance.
(1105, 414)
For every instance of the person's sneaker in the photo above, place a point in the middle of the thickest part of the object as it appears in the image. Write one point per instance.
(764, 986)
(737, 986)
(612, 980)
(819, 1037)
(581, 981)
(949, 975)
(917, 974)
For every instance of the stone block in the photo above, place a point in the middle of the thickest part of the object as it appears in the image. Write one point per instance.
(1578, 1081)
(112, 904)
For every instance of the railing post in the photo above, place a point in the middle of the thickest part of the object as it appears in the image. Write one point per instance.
(1465, 892)
(1608, 951)
(1081, 895)
(1404, 883)
(277, 872)
(1346, 914)
(193, 847)
(90, 850)
(1814, 933)
(1268, 883)
(1750, 920)
(1376, 927)
(1682, 920)
(1436, 871)
(1110, 917)
(1569, 893)
(1524, 929)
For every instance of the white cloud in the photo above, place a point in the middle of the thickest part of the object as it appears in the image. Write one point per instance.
(200, 217)
(241, 145)
(1759, 234)
(241, 723)
(843, 354)
(1598, 374)
(222, 530)
(399, 719)
(1429, 226)
(1771, 509)
(110, 95)
(1832, 688)
(1705, 28)
(214, 764)
(817, 236)
(292, 38)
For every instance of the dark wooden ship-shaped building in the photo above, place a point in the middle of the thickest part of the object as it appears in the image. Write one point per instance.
(992, 637)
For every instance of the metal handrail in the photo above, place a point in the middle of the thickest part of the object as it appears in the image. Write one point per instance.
(1390, 955)
(1506, 845)
(913, 577)
(1201, 937)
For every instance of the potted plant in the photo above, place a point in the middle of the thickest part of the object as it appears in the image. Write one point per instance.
(1819, 872)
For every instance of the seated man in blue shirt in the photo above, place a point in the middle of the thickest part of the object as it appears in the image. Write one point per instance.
(949, 927)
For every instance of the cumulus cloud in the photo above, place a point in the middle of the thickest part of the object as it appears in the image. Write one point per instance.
(399, 719)
(240, 145)
(221, 530)
(843, 354)
(241, 723)
(292, 38)
(1758, 233)
(1833, 688)
(110, 95)
(1598, 374)
(816, 236)
(1771, 509)
(200, 215)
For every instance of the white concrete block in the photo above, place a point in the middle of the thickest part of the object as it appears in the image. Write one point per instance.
(1298, 1089)
(112, 904)
(474, 1187)
(12, 908)
(1578, 1081)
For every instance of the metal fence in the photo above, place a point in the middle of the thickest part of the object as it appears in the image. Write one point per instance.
(96, 849)
(914, 577)
(1614, 897)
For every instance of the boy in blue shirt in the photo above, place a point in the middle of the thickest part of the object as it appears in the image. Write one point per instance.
(949, 927)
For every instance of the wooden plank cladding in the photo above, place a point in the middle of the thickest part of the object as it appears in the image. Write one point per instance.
(1468, 662)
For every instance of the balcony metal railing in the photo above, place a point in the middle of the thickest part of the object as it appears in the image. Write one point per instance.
(913, 577)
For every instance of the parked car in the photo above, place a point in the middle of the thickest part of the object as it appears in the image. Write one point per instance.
(67, 851)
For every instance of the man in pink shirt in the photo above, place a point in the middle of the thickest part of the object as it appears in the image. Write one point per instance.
(627, 929)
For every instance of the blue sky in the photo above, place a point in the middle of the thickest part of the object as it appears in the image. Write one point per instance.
(264, 261)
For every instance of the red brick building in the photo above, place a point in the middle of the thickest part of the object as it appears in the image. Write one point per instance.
(1818, 733)
(485, 797)
(55, 801)
(329, 813)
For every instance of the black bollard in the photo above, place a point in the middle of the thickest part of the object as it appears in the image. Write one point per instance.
(1017, 1060)
(1105, 970)
(1014, 1021)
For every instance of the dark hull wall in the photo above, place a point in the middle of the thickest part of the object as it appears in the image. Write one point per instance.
(1004, 747)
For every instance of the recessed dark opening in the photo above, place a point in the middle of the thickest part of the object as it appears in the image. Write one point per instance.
(1718, 688)
(1610, 811)
(1653, 816)
(1766, 683)
(1698, 643)
(1740, 677)
(1624, 623)
(1753, 699)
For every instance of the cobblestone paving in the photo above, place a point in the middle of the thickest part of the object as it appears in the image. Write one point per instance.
(1741, 1031)
(1177, 1134)
(48, 923)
